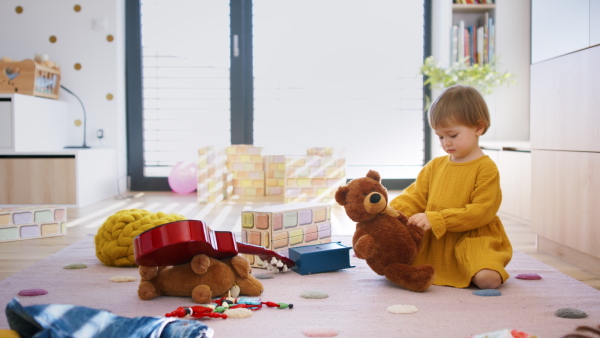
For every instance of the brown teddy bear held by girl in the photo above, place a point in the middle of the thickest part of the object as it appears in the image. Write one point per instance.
(382, 236)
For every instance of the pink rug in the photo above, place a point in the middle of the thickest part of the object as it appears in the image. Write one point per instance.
(355, 307)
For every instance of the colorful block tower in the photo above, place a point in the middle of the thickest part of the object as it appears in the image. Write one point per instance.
(281, 227)
(274, 175)
(246, 163)
(314, 177)
(214, 181)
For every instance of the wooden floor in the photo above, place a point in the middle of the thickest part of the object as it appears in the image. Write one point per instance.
(17, 255)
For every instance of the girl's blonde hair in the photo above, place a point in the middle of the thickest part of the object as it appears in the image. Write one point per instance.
(461, 105)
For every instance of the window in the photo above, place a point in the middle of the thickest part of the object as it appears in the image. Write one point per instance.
(278, 74)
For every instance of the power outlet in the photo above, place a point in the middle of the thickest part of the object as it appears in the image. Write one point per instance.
(100, 134)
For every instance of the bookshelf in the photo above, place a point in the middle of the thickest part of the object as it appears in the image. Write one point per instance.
(509, 104)
(473, 31)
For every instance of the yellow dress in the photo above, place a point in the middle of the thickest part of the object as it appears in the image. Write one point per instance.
(461, 201)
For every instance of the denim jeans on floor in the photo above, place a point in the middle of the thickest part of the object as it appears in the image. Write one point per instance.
(61, 321)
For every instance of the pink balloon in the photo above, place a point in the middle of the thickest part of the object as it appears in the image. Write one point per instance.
(183, 177)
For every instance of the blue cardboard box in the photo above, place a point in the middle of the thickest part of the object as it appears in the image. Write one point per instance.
(320, 258)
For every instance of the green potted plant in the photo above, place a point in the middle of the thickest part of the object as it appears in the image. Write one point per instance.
(483, 77)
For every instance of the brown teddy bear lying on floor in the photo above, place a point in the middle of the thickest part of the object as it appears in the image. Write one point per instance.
(382, 236)
(203, 278)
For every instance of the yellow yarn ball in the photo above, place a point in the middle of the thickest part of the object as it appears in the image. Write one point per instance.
(114, 241)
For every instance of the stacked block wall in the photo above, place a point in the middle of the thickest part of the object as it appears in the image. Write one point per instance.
(274, 175)
(314, 178)
(281, 227)
(246, 164)
(213, 177)
(32, 222)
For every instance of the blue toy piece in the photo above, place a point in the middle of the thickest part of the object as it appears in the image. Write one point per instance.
(320, 258)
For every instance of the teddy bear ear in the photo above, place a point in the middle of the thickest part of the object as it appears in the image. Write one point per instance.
(340, 195)
(374, 175)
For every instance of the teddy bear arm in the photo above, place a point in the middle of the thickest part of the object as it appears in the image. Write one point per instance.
(365, 246)
(416, 233)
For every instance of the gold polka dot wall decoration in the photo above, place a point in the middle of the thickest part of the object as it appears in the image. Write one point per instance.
(77, 66)
(77, 123)
(110, 38)
(19, 9)
(109, 97)
(53, 39)
(77, 8)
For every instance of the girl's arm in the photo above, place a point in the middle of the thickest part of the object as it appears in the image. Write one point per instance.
(414, 198)
(485, 202)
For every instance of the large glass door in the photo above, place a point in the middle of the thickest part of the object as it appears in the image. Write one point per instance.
(341, 73)
(284, 75)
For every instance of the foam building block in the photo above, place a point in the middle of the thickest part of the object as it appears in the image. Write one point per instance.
(32, 222)
(314, 178)
(320, 258)
(274, 175)
(246, 164)
(280, 227)
(213, 177)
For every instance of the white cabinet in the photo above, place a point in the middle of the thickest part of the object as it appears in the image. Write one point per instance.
(565, 130)
(514, 164)
(29, 123)
(564, 102)
(69, 177)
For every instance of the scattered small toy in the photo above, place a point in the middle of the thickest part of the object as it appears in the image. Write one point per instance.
(217, 308)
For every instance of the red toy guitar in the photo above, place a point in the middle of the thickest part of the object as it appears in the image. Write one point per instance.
(178, 242)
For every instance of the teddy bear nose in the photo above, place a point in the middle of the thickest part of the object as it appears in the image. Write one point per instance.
(375, 198)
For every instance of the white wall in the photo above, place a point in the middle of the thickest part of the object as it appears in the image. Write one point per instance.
(81, 38)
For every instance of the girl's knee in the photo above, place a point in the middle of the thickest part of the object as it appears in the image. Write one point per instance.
(487, 279)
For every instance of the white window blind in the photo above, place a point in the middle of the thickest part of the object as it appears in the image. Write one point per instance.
(341, 73)
(185, 80)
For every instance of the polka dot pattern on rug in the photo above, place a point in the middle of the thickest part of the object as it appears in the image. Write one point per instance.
(528, 276)
(263, 276)
(75, 266)
(570, 313)
(319, 332)
(487, 293)
(122, 279)
(313, 294)
(401, 309)
(32, 292)
(238, 313)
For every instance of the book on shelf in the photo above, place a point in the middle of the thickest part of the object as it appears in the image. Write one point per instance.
(473, 44)
(480, 44)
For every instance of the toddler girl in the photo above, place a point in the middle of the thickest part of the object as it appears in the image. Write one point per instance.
(455, 198)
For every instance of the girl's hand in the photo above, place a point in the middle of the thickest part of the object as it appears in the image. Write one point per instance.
(420, 220)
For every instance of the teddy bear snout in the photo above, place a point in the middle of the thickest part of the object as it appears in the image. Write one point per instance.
(375, 203)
